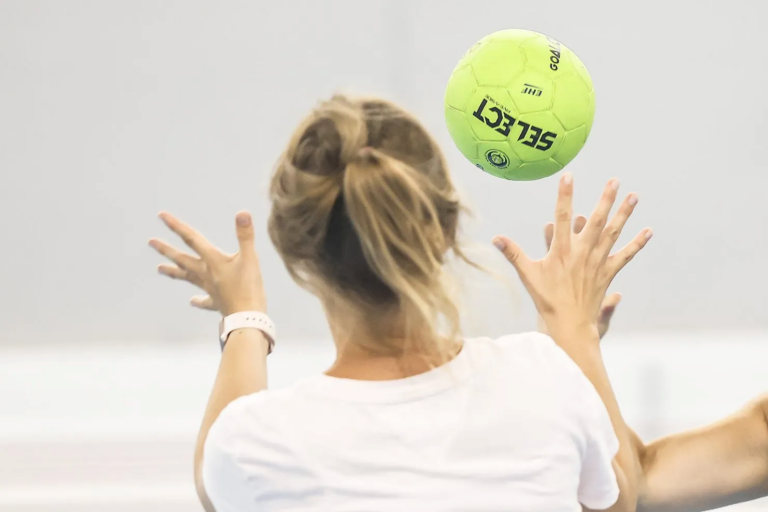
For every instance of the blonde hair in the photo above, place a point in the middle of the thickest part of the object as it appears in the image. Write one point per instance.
(364, 212)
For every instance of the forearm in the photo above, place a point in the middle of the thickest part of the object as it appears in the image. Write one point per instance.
(719, 465)
(242, 371)
(583, 349)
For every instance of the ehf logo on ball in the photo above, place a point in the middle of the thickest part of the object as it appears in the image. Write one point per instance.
(497, 159)
(522, 102)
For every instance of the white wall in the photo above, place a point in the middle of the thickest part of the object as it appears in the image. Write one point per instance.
(111, 111)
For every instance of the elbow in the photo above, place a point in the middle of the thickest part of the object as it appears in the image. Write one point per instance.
(760, 410)
(763, 405)
(199, 487)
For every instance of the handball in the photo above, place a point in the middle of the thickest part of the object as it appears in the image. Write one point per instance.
(519, 105)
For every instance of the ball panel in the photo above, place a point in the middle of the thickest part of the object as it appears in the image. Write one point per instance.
(572, 143)
(535, 171)
(572, 101)
(581, 70)
(461, 133)
(517, 35)
(547, 56)
(473, 51)
(461, 86)
(532, 92)
(591, 116)
(498, 63)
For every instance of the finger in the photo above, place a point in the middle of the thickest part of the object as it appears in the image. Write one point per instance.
(607, 309)
(599, 217)
(173, 272)
(513, 253)
(561, 239)
(245, 234)
(549, 229)
(624, 256)
(191, 237)
(549, 232)
(182, 259)
(605, 317)
(180, 274)
(614, 228)
(610, 302)
(579, 223)
(202, 302)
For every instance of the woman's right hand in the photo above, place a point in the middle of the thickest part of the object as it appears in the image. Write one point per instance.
(568, 286)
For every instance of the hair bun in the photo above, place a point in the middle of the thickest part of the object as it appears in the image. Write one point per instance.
(319, 150)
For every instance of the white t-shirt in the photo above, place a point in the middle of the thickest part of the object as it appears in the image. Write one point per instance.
(508, 425)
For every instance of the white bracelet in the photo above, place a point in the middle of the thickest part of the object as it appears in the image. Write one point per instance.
(247, 320)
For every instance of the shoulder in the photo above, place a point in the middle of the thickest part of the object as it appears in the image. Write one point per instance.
(245, 443)
(537, 349)
(251, 416)
(250, 425)
(540, 357)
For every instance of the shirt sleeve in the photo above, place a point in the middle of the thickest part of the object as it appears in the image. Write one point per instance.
(224, 480)
(598, 487)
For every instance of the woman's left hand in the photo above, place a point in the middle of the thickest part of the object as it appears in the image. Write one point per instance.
(232, 282)
(608, 307)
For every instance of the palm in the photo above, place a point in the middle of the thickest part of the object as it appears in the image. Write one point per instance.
(609, 303)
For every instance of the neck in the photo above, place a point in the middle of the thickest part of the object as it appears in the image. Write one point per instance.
(386, 350)
(363, 357)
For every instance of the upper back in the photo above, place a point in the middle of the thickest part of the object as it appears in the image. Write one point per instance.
(509, 424)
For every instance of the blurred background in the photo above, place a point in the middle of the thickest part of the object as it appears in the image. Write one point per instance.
(112, 111)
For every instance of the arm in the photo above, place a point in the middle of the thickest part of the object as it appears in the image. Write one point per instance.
(233, 284)
(589, 359)
(715, 466)
(568, 287)
(242, 371)
(593, 367)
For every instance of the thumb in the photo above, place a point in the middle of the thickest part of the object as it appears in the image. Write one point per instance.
(608, 308)
(512, 252)
(203, 302)
(611, 301)
(245, 234)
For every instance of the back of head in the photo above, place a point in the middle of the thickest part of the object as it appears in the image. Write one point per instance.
(364, 214)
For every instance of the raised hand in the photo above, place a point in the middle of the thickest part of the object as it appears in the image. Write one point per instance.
(569, 285)
(608, 307)
(232, 282)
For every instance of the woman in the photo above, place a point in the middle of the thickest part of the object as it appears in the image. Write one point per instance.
(410, 417)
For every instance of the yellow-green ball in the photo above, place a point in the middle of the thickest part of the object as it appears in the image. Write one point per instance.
(520, 105)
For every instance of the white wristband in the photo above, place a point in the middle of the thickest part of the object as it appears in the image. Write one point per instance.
(247, 320)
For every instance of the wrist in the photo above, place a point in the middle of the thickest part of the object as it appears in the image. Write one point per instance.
(575, 335)
(569, 323)
(249, 336)
(247, 321)
(240, 307)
